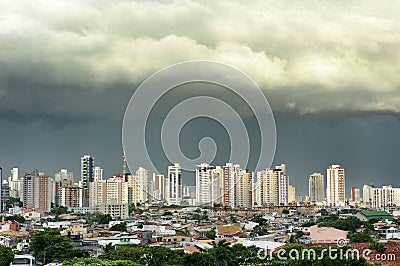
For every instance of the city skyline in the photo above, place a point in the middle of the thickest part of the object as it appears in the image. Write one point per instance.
(317, 182)
(227, 185)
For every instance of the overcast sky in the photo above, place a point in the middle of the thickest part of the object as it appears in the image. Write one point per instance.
(330, 70)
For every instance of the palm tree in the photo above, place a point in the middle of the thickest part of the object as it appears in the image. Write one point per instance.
(223, 254)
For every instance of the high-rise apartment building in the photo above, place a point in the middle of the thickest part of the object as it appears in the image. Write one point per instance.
(385, 197)
(97, 174)
(355, 194)
(316, 187)
(97, 193)
(37, 191)
(335, 186)
(116, 191)
(70, 196)
(158, 182)
(111, 191)
(367, 196)
(174, 192)
(291, 194)
(15, 183)
(140, 186)
(244, 191)
(87, 168)
(203, 184)
(229, 185)
(5, 194)
(272, 186)
(142, 192)
(230, 176)
(217, 185)
(64, 176)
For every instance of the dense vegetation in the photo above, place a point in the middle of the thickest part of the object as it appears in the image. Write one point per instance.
(351, 223)
(59, 210)
(98, 218)
(49, 245)
(11, 201)
(17, 218)
(6, 256)
(119, 227)
(360, 237)
(98, 262)
(221, 255)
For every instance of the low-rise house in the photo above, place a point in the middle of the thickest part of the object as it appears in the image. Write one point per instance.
(267, 246)
(325, 234)
(75, 230)
(113, 240)
(57, 225)
(249, 225)
(368, 215)
(30, 215)
(10, 226)
(190, 249)
(177, 239)
(224, 231)
(387, 230)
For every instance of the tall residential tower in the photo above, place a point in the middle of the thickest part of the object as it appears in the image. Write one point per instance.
(174, 192)
(316, 187)
(335, 187)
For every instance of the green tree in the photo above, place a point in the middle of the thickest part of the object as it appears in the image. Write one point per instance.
(223, 254)
(98, 262)
(119, 227)
(10, 202)
(378, 247)
(146, 255)
(132, 208)
(98, 218)
(258, 231)
(212, 234)
(197, 217)
(199, 258)
(360, 237)
(296, 238)
(59, 210)
(258, 218)
(308, 224)
(17, 218)
(49, 245)
(351, 223)
(6, 256)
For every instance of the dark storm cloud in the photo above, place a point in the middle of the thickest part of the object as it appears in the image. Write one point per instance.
(315, 56)
(74, 65)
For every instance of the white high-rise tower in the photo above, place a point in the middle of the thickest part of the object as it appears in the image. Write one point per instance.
(316, 187)
(203, 184)
(174, 192)
(335, 187)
